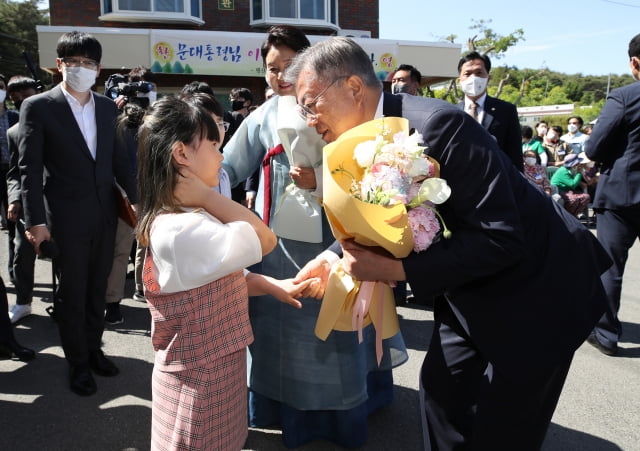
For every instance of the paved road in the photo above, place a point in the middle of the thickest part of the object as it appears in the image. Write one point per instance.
(599, 409)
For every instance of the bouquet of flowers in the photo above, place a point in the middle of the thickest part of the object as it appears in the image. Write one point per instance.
(380, 189)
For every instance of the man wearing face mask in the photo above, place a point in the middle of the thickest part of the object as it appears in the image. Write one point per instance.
(615, 142)
(68, 159)
(406, 79)
(498, 117)
(575, 138)
(241, 99)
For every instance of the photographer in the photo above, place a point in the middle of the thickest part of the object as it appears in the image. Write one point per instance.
(138, 86)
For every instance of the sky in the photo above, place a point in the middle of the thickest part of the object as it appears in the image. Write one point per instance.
(590, 37)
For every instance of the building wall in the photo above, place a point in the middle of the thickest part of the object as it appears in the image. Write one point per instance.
(356, 15)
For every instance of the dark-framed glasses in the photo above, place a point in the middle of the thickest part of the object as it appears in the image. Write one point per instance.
(305, 111)
(223, 125)
(73, 61)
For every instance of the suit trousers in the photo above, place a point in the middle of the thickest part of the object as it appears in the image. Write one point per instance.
(84, 264)
(122, 250)
(471, 405)
(617, 231)
(23, 263)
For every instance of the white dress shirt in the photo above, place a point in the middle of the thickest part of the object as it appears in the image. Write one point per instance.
(85, 116)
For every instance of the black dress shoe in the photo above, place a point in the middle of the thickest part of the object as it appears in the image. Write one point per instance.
(81, 381)
(102, 365)
(12, 347)
(592, 339)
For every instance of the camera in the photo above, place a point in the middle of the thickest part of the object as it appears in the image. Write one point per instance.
(119, 85)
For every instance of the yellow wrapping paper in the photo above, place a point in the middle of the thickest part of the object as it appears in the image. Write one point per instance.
(368, 224)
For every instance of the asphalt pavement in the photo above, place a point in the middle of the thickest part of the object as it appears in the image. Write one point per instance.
(599, 409)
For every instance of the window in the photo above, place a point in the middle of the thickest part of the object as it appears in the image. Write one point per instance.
(305, 13)
(163, 11)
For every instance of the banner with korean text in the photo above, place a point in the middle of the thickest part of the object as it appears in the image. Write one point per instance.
(238, 54)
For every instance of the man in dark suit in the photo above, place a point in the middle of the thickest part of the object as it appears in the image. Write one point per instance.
(498, 117)
(615, 142)
(68, 158)
(505, 334)
(19, 88)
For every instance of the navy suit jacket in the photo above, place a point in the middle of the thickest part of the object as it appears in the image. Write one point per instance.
(615, 142)
(500, 119)
(500, 267)
(61, 182)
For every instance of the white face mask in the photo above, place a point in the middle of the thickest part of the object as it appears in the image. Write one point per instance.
(530, 161)
(79, 78)
(572, 128)
(3, 95)
(474, 86)
(551, 136)
(542, 131)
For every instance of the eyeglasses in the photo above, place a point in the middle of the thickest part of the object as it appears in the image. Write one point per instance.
(224, 125)
(305, 110)
(75, 62)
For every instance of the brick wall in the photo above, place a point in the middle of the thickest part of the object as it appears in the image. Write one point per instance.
(357, 15)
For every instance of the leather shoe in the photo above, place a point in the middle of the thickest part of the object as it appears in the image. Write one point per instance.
(12, 347)
(102, 365)
(592, 339)
(81, 381)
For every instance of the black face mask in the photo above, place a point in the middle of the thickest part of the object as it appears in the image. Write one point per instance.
(399, 88)
(237, 105)
(17, 104)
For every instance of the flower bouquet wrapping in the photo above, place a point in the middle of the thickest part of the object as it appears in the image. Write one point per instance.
(380, 189)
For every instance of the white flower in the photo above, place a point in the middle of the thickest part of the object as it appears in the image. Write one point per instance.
(365, 152)
(434, 190)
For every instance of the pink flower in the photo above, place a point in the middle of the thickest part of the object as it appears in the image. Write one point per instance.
(424, 226)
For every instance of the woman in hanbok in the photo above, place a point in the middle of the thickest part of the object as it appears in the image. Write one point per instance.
(312, 389)
(198, 242)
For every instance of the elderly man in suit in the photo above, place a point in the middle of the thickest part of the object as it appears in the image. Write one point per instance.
(615, 142)
(69, 156)
(500, 352)
(498, 117)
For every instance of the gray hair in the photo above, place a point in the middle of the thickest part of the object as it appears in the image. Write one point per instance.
(333, 58)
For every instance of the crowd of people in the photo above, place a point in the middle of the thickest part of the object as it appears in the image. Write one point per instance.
(223, 270)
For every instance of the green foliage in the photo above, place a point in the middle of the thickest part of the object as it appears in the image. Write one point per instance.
(18, 34)
(490, 43)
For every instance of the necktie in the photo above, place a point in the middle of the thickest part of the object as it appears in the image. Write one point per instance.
(473, 110)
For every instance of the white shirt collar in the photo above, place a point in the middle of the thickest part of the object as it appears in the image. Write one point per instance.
(480, 102)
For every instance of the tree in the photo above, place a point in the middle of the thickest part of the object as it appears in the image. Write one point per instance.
(490, 43)
(18, 34)
(487, 42)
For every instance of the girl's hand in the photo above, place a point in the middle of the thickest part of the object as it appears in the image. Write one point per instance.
(286, 291)
(190, 190)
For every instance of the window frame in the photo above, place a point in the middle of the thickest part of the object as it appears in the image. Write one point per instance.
(110, 12)
(330, 10)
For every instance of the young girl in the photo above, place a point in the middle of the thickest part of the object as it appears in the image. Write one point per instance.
(198, 243)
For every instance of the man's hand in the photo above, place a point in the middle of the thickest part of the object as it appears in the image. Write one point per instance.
(14, 210)
(317, 270)
(36, 235)
(364, 263)
(304, 178)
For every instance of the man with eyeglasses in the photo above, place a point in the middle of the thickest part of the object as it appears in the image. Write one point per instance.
(574, 137)
(500, 352)
(69, 156)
